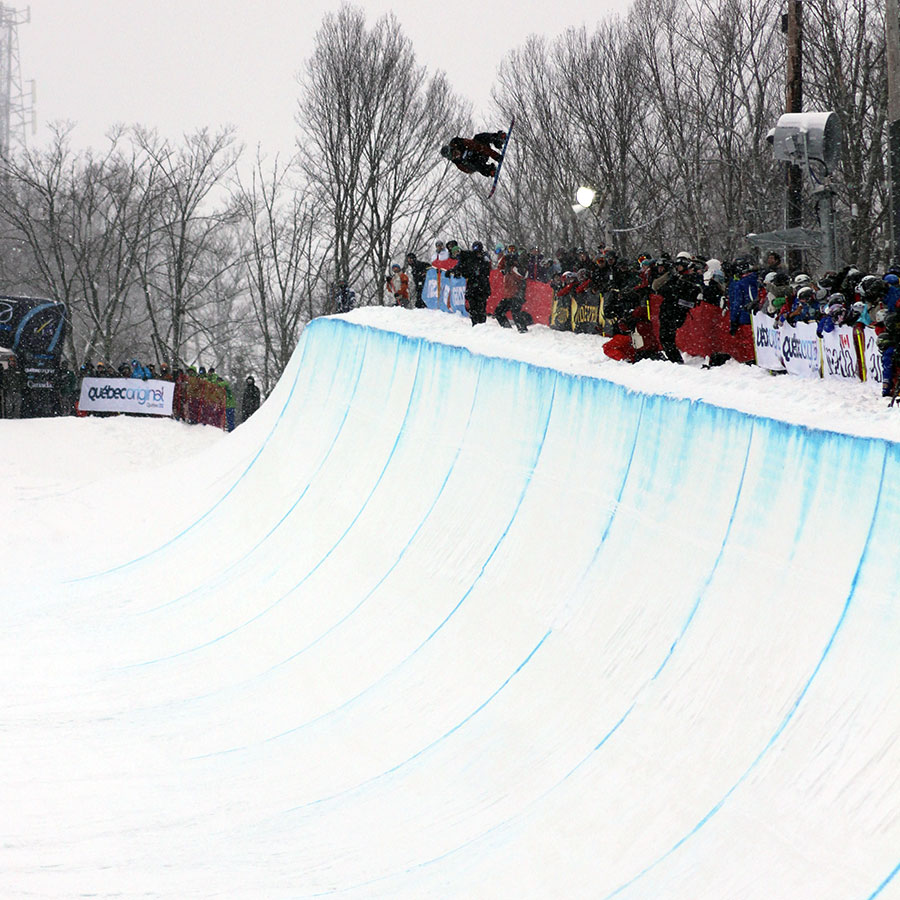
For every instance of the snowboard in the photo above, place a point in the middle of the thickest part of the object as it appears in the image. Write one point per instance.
(502, 157)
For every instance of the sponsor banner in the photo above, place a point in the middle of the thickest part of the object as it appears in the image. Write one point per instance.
(586, 313)
(872, 356)
(561, 314)
(839, 355)
(800, 350)
(453, 294)
(431, 292)
(39, 378)
(126, 395)
(767, 343)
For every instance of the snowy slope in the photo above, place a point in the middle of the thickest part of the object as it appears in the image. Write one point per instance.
(458, 613)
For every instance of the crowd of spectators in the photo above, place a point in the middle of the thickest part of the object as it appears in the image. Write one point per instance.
(200, 395)
(642, 303)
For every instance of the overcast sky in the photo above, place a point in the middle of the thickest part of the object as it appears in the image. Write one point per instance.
(180, 64)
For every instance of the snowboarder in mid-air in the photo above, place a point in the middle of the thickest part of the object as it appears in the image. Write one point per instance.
(475, 154)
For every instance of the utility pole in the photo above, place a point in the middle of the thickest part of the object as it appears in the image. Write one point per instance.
(793, 208)
(892, 41)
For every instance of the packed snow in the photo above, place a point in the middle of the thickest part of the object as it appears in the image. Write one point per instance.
(435, 624)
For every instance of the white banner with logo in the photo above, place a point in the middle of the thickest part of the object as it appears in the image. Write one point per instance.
(800, 350)
(126, 395)
(872, 356)
(839, 354)
(767, 343)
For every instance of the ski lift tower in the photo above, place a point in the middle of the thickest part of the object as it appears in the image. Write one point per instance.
(16, 107)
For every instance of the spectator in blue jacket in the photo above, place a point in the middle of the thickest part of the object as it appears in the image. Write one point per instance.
(892, 295)
(743, 293)
(139, 371)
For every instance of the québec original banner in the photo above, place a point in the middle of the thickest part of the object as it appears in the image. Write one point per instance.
(126, 395)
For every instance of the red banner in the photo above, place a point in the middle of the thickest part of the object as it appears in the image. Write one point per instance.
(707, 331)
(538, 298)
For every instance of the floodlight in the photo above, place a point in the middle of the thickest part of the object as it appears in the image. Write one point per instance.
(584, 196)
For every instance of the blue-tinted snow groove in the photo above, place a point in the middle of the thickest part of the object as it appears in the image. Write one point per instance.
(409, 543)
(205, 515)
(800, 691)
(209, 586)
(271, 606)
(884, 883)
(396, 768)
(472, 586)
(782, 726)
(223, 575)
(788, 716)
(612, 731)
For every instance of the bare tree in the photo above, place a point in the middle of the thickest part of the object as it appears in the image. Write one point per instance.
(37, 206)
(284, 261)
(371, 121)
(80, 216)
(189, 247)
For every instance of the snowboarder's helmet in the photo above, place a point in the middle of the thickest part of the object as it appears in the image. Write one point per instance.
(477, 246)
(395, 267)
(445, 151)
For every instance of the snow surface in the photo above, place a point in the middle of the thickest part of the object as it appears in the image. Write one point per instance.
(434, 623)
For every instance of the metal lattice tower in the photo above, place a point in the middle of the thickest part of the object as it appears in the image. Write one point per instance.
(16, 107)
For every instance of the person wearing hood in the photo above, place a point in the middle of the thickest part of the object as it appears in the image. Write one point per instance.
(892, 293)
(250, 398)
(513, 296)
(139, 371)
(419, 269)
(230, 404)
